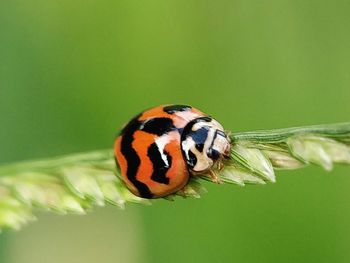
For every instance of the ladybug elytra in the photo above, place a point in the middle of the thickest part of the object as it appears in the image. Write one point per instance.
(159, 149)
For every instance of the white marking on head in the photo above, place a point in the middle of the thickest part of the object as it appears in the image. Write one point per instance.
(215, 145)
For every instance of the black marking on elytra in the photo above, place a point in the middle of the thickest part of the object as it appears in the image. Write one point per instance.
(199, 137)
(131, 123)
(126, 126)
(171, 109)
(160, 168)
(158, 126)
(133, 160)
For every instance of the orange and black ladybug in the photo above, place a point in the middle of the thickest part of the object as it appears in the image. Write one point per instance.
(159, 149)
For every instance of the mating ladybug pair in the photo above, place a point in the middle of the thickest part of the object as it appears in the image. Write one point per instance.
(159, 149)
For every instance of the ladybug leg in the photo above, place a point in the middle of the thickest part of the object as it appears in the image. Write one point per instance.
(220, 165)
(214, 177)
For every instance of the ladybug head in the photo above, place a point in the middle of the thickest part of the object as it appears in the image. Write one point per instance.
(203, 143)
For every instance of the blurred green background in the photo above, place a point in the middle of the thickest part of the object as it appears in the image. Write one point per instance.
(73, 72)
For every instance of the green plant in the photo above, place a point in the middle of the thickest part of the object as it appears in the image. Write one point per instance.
(76, 183)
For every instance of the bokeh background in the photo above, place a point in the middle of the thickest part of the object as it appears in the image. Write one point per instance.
(73, 72)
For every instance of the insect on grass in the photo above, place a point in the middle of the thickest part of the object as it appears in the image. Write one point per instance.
(174, 148)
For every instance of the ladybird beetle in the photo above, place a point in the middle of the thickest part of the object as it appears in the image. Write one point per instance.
(159, 149)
